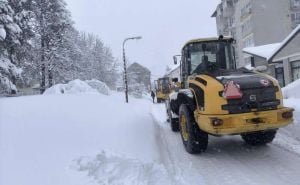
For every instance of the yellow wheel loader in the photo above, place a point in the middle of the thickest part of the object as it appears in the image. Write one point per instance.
(163, 88)
(218, 99)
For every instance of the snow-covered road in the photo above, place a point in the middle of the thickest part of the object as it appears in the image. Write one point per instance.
(91, 139)
(228, 160)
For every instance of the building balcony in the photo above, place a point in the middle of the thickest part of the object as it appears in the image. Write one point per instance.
(295, 8)
(295, 4)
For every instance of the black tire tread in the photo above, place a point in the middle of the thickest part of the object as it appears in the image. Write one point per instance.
(198, 140)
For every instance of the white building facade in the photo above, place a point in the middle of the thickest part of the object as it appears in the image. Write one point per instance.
(256, 22)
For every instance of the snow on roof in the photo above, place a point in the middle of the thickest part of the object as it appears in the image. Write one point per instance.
(284, 43)
(269, 51)
(173, 68)
(264, 51)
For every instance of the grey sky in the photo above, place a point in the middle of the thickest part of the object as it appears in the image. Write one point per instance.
(165, 26)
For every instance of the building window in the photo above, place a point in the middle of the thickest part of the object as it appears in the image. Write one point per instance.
(248, 42)
(279, 75)
(246, 10)
(231, 22)
(247, 27)
(295, 70)
(295, 17)
(295, 3)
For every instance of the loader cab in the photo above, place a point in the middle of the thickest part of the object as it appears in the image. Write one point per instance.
(208, 56)
(163, 89)
(164, 85)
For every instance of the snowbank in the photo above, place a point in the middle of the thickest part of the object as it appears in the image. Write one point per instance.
(99, 86)
(43, 136)
(105, 167)
(292, 90)
(79, 87)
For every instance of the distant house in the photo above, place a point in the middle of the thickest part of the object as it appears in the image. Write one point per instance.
(282, 59)
(138, 74)
(174, 72)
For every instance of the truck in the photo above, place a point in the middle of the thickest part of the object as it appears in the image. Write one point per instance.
(216, 98)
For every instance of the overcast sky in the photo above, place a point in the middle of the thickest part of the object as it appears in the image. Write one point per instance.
(165, 26)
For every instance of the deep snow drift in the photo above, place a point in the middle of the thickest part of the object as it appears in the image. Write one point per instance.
(292, 90)
(48, 139)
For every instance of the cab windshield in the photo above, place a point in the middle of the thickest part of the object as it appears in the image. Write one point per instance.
(210, 57)
(164, 83)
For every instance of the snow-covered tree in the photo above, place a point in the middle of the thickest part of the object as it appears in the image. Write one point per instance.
(37, 37)
(10, 34)
(54, 22)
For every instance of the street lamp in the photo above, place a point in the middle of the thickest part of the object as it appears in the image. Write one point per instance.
(125, 68)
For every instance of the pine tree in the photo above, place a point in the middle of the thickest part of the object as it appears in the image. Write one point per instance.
(54, 21)
(9, 37)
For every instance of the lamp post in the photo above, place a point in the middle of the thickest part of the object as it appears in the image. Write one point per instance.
(125, 67)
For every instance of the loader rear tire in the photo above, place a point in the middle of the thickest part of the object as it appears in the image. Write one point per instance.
(174, 122)
(259, 138)
(194, 140)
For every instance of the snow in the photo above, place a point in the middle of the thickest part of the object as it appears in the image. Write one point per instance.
(105, 167)
(2, 33)
(95, 139)
(173, 68)
(249, 67)
(78, 86)
(289, 90)
(268, 51)
(6, 70)
(99, 86)
(6, 66)
(264, 51)
(47, 139)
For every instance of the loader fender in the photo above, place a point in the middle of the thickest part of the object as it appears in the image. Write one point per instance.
(186, 97)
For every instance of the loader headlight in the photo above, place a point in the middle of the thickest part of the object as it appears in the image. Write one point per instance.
(216, 122)
(287, 115)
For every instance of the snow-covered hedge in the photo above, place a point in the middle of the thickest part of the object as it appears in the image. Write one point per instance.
(292, 90)
(79, 87)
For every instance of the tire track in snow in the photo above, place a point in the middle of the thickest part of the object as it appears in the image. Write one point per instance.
(178, 173)
(227, 161)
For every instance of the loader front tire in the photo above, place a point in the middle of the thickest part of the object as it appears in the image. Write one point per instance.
(194, 140)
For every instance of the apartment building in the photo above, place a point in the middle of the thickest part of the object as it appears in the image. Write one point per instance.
(256, 22)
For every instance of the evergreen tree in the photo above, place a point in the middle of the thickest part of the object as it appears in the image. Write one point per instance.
(53, 21)
(37, 37)
(9, 37)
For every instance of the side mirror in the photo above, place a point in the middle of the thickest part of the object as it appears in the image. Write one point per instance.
(261, 68)
(175, 80)
(175, 60)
